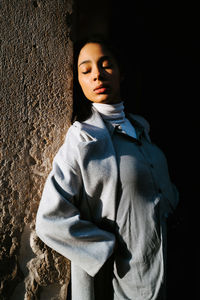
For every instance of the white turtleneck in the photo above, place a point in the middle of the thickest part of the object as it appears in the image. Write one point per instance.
(114, 114)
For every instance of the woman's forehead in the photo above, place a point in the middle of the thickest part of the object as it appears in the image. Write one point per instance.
(93, 51)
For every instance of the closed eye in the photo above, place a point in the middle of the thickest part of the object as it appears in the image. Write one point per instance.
(107, 65)
(85, 72)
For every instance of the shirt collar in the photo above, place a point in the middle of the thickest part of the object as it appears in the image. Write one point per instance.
(138, 128)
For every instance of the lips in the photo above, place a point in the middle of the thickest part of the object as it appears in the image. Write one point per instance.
(101, 89)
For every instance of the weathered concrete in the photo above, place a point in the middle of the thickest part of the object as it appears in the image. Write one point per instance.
(36, 104)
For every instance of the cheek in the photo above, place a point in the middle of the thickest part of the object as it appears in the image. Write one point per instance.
(116, 80)
(84, 83)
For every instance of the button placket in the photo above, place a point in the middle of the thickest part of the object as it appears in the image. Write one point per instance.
(158, 191)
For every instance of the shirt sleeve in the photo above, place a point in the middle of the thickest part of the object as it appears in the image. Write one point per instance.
(174, 200)
(59, 223)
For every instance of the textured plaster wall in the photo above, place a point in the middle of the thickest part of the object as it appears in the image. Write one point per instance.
(36, 105)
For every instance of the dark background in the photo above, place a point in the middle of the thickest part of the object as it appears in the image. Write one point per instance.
(160, 41)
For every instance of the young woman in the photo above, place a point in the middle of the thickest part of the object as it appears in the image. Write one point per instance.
(105, 202)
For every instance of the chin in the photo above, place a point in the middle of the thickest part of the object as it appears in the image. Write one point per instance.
(102, 99)
(108, 101)
(105, 98)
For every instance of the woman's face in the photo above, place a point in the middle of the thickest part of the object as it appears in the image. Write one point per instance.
(98, 74)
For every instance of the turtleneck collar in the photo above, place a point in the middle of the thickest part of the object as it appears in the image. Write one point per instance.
(114, 114)
(111, 112)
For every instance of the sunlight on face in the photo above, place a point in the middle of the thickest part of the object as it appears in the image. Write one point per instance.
(98, 74)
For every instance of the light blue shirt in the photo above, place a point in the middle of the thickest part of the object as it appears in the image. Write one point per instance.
(138, 262)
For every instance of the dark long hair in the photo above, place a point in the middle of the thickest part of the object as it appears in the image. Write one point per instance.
(82, 107)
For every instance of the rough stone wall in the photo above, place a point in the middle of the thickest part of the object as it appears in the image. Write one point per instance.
(36, 105)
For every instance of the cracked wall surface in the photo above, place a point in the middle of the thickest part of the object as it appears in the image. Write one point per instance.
(36, 105)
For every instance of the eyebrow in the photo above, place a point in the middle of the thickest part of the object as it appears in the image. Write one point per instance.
(84, 62)
(102, 58)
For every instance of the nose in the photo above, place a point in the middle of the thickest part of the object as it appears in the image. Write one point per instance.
(97, 74)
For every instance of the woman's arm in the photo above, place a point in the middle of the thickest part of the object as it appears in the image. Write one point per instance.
(59, 223)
